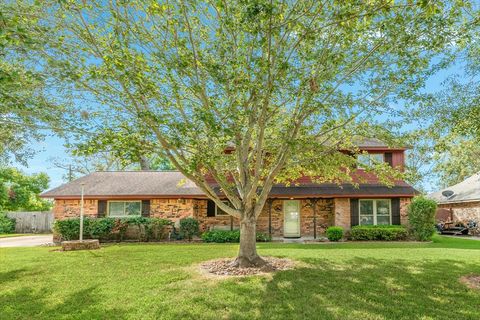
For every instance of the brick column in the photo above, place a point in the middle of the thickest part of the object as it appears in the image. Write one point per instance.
(342, 212)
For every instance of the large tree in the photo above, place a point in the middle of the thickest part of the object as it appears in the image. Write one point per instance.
(27, 111)
(240, 95)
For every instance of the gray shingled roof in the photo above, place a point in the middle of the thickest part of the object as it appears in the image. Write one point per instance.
(365, 142)
(465, 191)
(128, 183)
(173, 183)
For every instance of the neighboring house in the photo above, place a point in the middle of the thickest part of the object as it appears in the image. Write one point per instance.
(303, 210)
(460, 202)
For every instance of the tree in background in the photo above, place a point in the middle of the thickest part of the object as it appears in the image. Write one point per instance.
(240, 95)
(119, 147)
(129, 145)
(19, 191)
(450, 143)
(456, 158)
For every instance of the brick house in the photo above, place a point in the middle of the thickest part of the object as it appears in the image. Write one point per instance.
(460, 202)
(303, 210)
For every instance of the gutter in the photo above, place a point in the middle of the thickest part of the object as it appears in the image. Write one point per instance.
(458, 201)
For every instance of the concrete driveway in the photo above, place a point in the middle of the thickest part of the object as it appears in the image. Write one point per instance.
(26, 241)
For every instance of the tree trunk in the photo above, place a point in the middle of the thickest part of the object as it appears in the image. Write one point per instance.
(247, 254)
(144, 163)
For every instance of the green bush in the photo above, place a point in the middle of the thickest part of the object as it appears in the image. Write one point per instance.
(97, 228)
(68, 229)
(263, 237)
(223, 236)
(189, 227)
(7, 225)
(111, 228)
(421, 218)
(334, 233)
(382, 232)
(156, 229)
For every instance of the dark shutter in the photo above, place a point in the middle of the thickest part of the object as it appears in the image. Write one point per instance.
(354, 213)
(210, 208)
(389, 158)
(395, 211)
(145, 208)
(102, 208)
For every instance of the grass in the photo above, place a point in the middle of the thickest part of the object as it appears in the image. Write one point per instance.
(9, 235)
(160, 281)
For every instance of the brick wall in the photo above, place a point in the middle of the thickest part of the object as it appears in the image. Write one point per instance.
(63, 209)
(328, 212)
(463, 211)
(172, 209)
(404, 203)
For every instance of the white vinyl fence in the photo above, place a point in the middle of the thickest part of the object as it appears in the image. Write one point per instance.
(32, 222)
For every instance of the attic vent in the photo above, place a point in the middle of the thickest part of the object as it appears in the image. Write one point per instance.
(447, 193)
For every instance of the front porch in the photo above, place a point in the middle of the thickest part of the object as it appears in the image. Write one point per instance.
(290, 218)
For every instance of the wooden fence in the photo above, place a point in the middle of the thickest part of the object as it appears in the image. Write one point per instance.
(32, 222)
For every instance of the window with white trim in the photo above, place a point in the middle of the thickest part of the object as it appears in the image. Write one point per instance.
(375, 211)
(369, 159)
(220, 212)
(122, 209)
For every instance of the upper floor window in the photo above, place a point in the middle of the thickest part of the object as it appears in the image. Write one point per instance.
(124, 208)
(369, 159)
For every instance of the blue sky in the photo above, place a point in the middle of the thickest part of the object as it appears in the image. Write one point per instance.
(51, 147)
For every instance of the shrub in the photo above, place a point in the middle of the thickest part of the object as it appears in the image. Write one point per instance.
(155, 228)
(263, 237)
(382, 232)
(111, 228)
(189, 227)
(223, 236)
(7, 225)
(68, 229)
(421, 218)
(98, 228)
(334, 233)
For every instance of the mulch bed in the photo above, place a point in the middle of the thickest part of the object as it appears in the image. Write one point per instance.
(224, 268)
(472, 281)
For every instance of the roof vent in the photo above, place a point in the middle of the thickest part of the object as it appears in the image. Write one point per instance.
(447, 193)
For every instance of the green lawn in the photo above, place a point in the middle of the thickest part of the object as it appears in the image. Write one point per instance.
(9, 235)
(160, 281)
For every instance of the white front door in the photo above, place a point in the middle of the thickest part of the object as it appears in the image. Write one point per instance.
(291, 225)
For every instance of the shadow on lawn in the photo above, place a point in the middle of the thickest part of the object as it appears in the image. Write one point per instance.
(28, 304)
(11, 276)
(360, 289)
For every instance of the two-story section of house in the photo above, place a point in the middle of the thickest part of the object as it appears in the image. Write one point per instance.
(304, 210)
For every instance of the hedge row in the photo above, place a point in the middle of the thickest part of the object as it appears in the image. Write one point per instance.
(148, 229)
(381, 232)
(223, 236)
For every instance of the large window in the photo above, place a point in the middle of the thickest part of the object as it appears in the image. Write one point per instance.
(369, 159)
(375, 212)
(124, 208)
